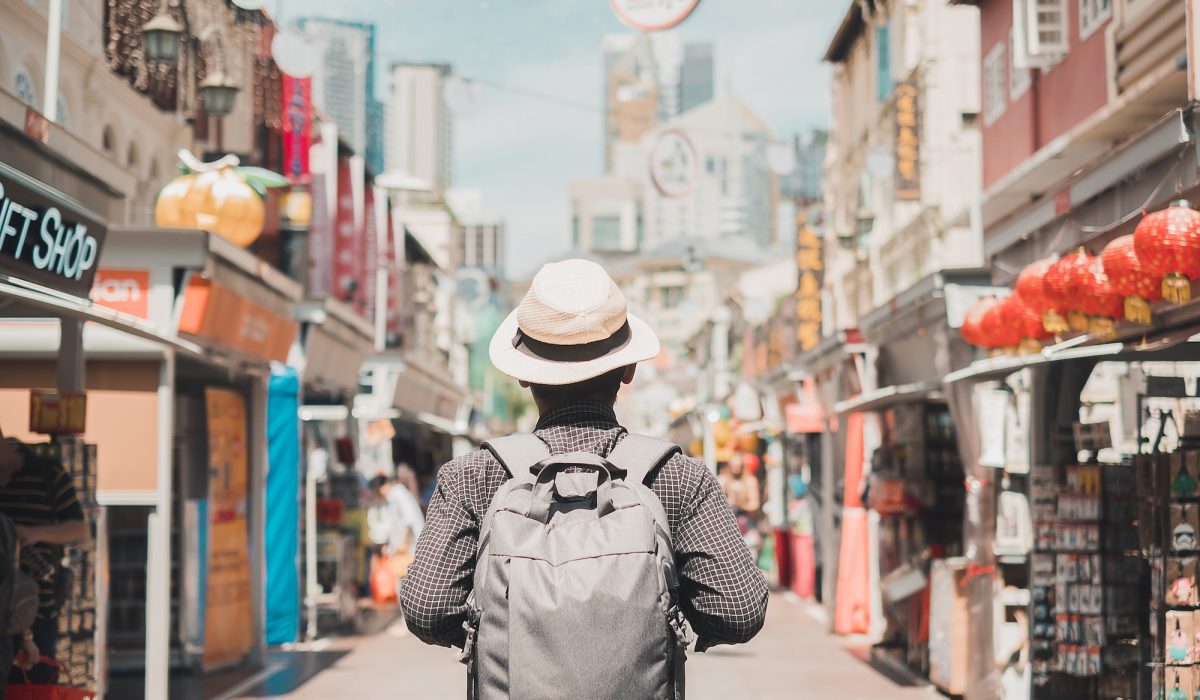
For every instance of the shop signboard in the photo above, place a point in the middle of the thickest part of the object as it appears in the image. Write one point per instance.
(810, 266)
(228, 606)
(653, 15)
(348, 286)
(216, 313)
(51, 413)
(908, 142)
(127, 291)
(45, 237)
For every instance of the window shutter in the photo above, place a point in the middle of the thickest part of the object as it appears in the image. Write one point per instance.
(1040, 35)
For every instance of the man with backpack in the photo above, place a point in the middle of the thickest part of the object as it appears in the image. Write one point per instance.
(570, 563)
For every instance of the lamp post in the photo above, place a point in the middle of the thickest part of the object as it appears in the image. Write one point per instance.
(165, 40)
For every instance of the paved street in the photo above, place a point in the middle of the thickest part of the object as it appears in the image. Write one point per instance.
(792, 657)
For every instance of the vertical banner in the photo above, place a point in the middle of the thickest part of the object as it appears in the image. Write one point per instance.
(229, 612)
(347, 283)
(908, 142)
(321, 246)
(370, 257)
(810, 268)
(282, 536)
(297, 127)
(397, 261)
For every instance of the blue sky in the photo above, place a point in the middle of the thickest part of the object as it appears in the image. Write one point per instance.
(523, 152)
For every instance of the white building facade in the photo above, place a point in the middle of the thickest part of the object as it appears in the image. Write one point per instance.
(418, 132)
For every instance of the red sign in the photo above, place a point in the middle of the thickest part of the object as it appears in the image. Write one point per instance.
(54, 413)
(127, 291)
(347, 282)
(297, 126)
(215, 312)
(36, 125)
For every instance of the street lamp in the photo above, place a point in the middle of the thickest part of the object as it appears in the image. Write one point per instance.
(162, 36)
(217, 93)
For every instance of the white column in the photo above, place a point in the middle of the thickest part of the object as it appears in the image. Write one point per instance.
(158, 551)
(53, 52)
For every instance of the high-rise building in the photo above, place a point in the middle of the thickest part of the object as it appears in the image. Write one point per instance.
(344, 82)
(649, 79)
(696, 76)
(418, 134)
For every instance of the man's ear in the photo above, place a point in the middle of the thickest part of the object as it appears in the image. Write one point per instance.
(629, 372)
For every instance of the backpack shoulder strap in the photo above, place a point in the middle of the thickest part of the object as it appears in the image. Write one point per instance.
(641, 456)
(517, 453)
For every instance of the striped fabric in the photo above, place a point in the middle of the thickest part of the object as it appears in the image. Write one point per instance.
(41, 493)
(722, 592)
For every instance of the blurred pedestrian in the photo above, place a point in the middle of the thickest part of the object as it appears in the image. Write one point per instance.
(741, 490)
(577, 605)
(39, 496)
(400, 517)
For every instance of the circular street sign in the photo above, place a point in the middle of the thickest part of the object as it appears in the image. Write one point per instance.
(250, 4)
(653, 15)
(674, 163)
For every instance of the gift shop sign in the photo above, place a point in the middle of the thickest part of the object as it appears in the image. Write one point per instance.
(44, 238)
(653, 15)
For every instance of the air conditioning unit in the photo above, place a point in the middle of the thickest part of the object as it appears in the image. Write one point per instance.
(1041, 32)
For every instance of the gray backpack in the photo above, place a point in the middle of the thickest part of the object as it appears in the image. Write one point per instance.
(575, 583)
(18, 592)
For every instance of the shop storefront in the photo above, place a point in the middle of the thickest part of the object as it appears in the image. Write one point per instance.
(1079, 530)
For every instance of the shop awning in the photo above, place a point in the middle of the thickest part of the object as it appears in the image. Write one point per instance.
(1074, 349)
(805, 415)
(62, 305)
(890, 395)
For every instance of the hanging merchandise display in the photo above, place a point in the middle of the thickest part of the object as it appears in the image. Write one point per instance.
(1025, 320)
(1167, 243)
(997, 326)
(219, 197)
(973, 330)
(1064, 284)
(1031, 285)
(1130, 278)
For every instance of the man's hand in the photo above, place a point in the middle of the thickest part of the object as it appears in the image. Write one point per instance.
(32, 654)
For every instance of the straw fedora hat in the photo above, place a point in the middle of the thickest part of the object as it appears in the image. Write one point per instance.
(572, 325)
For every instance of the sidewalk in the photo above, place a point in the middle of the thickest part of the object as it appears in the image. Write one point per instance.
(792, 658)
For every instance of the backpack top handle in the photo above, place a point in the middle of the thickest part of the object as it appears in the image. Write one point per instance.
(541, 496)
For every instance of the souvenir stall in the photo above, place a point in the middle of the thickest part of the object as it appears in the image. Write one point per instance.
(1081, 464)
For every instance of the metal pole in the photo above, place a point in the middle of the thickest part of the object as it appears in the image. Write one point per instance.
(381, 267)
(53, 53)
(310, 543)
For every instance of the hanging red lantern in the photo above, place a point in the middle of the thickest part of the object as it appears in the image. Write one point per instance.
(1167, 243)
(1101, 302)
(1026, 321)
(972, 327)
(1129, 278)
(1065, 283)
(999, 329)
(1031, 286)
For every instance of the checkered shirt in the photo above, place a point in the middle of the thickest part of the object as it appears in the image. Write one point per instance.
(722, 592)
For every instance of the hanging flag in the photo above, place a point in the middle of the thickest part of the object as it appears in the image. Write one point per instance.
(297, 126)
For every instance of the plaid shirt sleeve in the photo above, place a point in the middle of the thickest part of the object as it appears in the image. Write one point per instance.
(722, 592)
(434, 594)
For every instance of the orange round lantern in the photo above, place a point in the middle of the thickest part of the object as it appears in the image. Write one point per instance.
(1065, 283)
(220, 201)
(1167, 243)
(168, 208)
(1100, 301)
(1031, 286)
(1027, 322)
(972, 326)
(1130, 278)
(998, 327)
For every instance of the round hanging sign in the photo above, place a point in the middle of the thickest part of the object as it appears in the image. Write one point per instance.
(294, 54)
(674, 163)
(653, 15)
